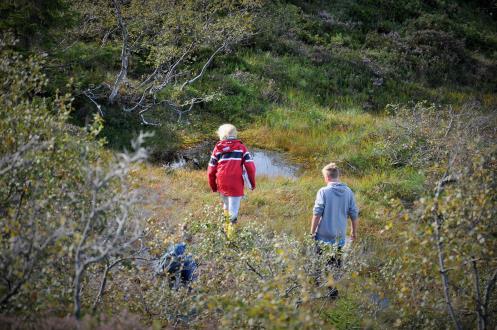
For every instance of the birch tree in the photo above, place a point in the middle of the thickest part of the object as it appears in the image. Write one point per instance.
(65, 203)
(448, 266)
(106, 226)
(173, 42)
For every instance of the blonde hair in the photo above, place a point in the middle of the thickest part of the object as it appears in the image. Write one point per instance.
(227, 131)
(331, 171)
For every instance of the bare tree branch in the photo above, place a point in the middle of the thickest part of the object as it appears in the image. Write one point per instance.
(204, 68)
(449, 126)
(108, 268)
(170, 72)
(11, 161)
(89, 94)
(152, 90)
(103, 282)
(109, 229)
(106, 36)
(145, 121)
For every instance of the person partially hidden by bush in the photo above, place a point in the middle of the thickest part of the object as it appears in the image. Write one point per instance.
(177, 266)
(334, 204)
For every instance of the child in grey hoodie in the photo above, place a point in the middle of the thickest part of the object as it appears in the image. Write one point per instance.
(334, 204)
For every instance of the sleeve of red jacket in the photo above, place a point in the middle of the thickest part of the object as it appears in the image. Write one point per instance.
(248, 162)
(212, 171)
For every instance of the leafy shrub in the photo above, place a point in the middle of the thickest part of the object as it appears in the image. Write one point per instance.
(65, 204)
(449, 252)
(260, 279)
(447, 259)
(435, 56)
(422, 132)
(121, 321)
(38, 167)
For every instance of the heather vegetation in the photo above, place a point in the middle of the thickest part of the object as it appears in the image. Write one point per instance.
(97, 96)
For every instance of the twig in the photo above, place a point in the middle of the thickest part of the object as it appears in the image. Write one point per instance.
(191, 81)
(108, 268)
(106, 36)
(254, 270)
(450, 123)
(290, 289)
(90, 96)
(103, 282)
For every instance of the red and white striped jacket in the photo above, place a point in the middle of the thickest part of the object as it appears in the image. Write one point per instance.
(226, 167)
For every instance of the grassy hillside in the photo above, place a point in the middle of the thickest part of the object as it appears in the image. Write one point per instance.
(317, 79)
(316, 85)
(400, 94)
(338, 55)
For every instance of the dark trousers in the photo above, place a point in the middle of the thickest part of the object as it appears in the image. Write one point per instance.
(333, 262)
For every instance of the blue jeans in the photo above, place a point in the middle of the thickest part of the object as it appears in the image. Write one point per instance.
(340, 244)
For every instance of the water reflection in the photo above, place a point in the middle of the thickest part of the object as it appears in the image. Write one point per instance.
(272, 164)
(268, 163)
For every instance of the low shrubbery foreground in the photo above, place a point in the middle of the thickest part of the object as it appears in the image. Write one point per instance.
(82, 227)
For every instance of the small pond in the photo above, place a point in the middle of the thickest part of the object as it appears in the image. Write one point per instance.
(268, 163)
(273, 164)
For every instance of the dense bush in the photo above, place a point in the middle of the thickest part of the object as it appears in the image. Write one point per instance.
(35, 23)
(435, 56)
(448, 234)
(65, 203)
(260, 279)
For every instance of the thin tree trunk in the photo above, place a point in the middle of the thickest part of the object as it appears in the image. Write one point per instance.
(102, 287)
(480, 313)
(77, 293)
(121, 77)
(441, 254)
(488, 295)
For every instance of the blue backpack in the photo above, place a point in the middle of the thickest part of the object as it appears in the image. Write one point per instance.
(180, 267)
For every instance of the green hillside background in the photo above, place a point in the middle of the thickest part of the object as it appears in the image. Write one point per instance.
(392, 91)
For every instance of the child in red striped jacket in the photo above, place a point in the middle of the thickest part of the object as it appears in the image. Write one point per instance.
(225, 171)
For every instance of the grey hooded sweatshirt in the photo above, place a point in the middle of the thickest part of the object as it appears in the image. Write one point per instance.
(334, 203)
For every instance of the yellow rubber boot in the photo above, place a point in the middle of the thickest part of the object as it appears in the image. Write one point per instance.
(226, 223)
(229, 227)
(230, 231)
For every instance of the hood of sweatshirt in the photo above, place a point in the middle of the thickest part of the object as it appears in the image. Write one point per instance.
(338, 188)
(229, 145)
